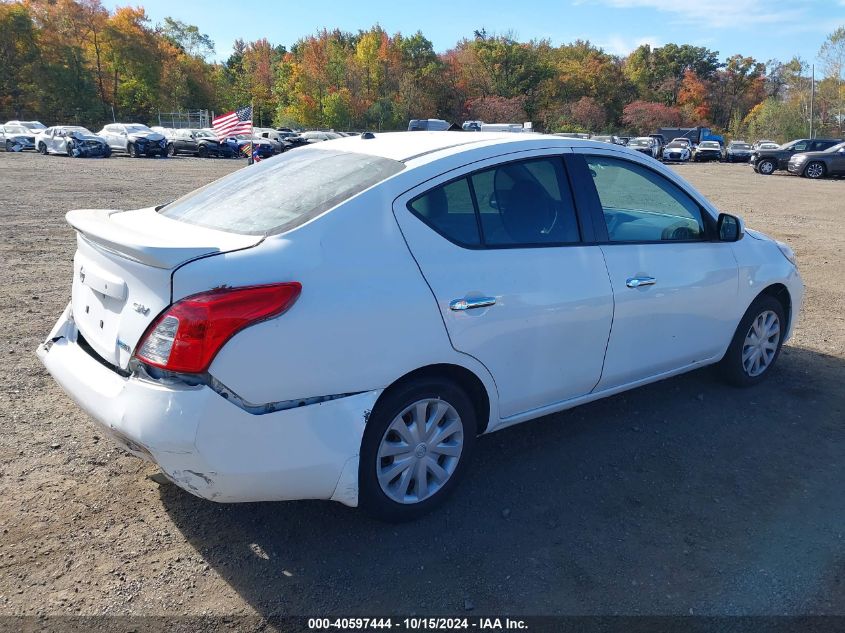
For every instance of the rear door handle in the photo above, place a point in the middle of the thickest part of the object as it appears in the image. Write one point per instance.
(637, 282)
(471, 304)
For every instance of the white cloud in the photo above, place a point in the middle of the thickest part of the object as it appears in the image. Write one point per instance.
(715, 13)
(621, 45)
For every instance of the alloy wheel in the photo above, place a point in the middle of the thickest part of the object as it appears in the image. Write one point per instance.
(761, 343)
(766, 167)
(419, 451)
(815, 170)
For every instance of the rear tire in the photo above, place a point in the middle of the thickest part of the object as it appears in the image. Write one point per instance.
(759, 335)
(434, 464)
(815, 170)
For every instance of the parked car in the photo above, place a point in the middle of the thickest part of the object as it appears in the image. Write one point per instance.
(16, 138)
(830, 162)
(318, 136)
(760, 143)
(707, 151)
(471, 126)
(645, 145)
(293, 139)
(738, 152)
(71, 140)
(677, 151)
(33, 126)
(278, 139)
(239, 337)
(608, 138)
(134, 139)
(197, 142)
(768, 161)
(240, 145)
(428, 125)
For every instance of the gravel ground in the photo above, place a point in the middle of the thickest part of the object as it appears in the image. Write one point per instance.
(686, 496)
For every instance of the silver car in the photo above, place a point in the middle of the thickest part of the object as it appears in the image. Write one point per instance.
(16, 138)
(135, 139)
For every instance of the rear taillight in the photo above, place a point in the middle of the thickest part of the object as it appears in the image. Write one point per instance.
(187, 336)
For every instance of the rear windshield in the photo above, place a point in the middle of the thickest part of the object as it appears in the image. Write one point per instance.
(283, 192)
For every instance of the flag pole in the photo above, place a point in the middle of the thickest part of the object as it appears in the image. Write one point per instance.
(251, 160)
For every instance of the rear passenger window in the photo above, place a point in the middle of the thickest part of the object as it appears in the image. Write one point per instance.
(526, 203)
(448, 209)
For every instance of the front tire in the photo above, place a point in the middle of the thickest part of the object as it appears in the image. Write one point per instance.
(42, 148)
(170, 150)
(766, 167)
(756, 343)
(416, 447)
(202, 151)
(815, 170)
(133, 150)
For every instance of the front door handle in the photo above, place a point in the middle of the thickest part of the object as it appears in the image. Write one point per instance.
(638, 282)
(471, 304)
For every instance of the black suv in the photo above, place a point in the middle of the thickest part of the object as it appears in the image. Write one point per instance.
(767, 161)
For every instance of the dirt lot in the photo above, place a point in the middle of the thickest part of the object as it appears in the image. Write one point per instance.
(687, 496)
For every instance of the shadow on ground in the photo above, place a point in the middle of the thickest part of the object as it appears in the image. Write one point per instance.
(687, 496)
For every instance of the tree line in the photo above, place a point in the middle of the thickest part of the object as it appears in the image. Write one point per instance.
(74, 61)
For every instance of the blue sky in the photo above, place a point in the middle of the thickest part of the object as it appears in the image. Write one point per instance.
(761, 28)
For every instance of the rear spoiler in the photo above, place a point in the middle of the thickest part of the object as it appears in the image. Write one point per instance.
(148, 237)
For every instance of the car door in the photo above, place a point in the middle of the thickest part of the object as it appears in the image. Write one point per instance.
(675, 287)
(518, 282)
(189, 141)
(836, 162)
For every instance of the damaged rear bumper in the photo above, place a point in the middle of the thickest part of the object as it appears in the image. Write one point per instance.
(209, 446)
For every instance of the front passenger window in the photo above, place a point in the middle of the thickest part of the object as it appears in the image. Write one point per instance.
(640, 205)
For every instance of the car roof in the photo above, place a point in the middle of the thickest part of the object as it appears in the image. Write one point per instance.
(428, 146)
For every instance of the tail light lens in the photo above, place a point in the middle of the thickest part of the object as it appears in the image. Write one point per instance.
(187, 336)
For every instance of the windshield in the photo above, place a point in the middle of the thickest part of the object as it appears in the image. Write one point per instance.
(80, 130)
(137, 128)
(16, 129)
(203, 134)
(282, 193)
(677, 145)
(640, 142)
(709, 145)
(740, 146)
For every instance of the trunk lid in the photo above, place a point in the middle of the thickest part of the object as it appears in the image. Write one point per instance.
(122, 272)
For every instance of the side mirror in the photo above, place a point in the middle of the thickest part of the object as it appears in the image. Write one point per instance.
(730, 227)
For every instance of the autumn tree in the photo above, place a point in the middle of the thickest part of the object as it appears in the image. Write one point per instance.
(643, 116)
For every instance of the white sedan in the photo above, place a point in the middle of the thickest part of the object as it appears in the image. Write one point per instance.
(342, 321)
(71, 140)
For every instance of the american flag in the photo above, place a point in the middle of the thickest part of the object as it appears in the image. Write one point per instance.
(236, 122)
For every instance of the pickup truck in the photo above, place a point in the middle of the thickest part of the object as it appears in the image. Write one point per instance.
(768, 161)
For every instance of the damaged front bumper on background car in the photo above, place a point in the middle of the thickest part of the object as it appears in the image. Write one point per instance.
(19, 143)
(207, 444)
(89, 149)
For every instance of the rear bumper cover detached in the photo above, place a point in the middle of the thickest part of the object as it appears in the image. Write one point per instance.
(209, 446)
